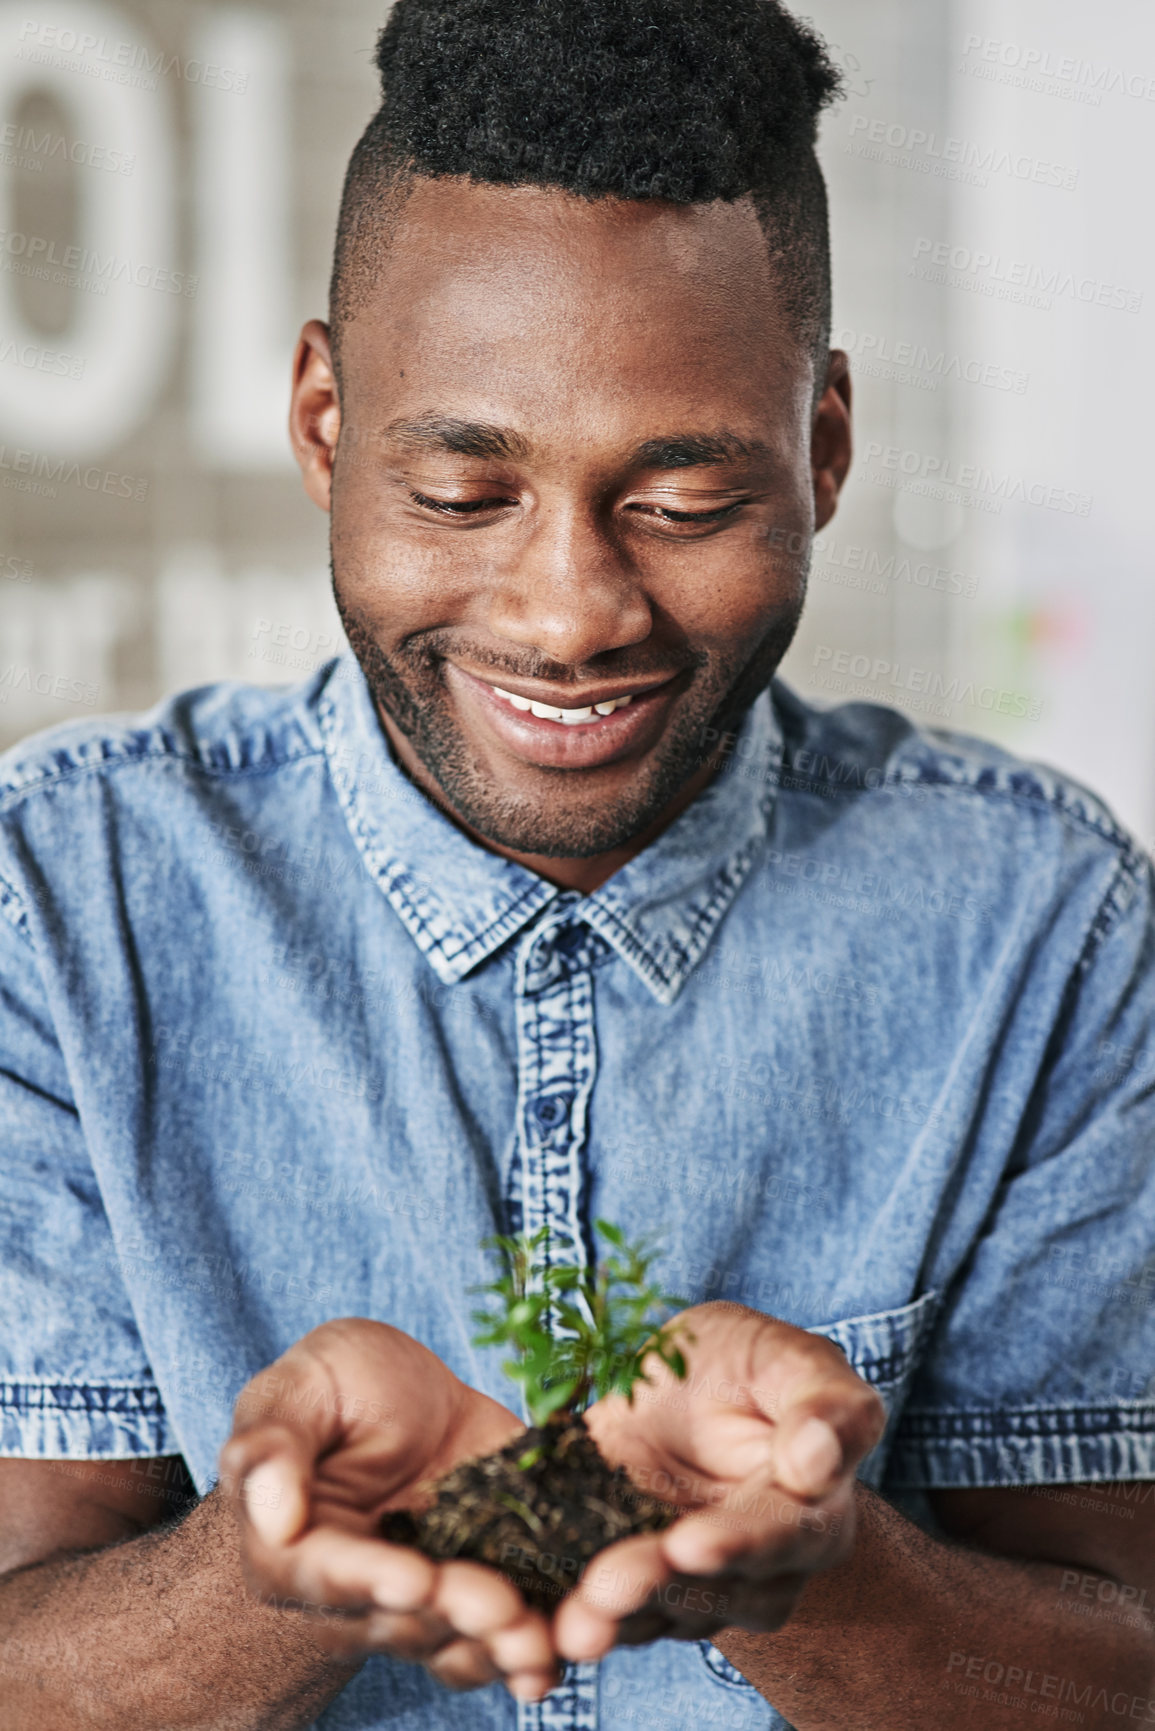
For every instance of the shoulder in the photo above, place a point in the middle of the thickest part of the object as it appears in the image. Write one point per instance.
(867, 790)
(225, 729)
(861, 747)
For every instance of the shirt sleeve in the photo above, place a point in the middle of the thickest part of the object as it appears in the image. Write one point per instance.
(1041, 1364)
(75, 1382)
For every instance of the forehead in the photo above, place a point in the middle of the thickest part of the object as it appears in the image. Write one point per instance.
(539, 293)
(464, 263)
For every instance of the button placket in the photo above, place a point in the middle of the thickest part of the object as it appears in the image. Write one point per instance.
(557, 1066)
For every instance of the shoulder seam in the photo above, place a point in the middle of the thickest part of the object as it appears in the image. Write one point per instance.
(1117, 897)
(11, 795)
(926, 777)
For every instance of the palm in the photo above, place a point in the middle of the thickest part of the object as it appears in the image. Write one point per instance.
(352, 1421)
(395, 1417)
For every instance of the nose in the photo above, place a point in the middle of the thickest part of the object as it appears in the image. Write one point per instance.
(569, 591)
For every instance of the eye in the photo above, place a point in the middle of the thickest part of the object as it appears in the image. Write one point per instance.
(455, 507)
(666, 515)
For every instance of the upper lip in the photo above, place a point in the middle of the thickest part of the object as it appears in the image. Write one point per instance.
(567, 699)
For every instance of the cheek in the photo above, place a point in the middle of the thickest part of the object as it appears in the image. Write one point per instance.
(384, 575)
(730, 597)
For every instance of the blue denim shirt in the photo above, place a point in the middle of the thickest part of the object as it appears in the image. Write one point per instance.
(865, 1035)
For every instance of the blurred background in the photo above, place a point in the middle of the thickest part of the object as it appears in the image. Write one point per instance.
(170, 176)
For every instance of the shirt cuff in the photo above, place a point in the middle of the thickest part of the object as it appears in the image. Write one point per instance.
(1024, 1446)
(83, 1421)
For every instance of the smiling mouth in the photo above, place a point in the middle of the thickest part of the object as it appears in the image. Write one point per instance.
(567, 717)
(590, 735)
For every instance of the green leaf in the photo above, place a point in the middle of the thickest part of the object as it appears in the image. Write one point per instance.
(549, 1400)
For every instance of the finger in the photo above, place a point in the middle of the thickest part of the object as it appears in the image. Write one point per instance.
(331, 1567)
(799, 1376)
(463, 1664)
(822, 1437)
(414, 1638)
(525, 1647)
(485, 1606)
(477, 1600)
(417, 1636)
(616, 1584)
(827, 1423)
(532, 1685)
(759, 1530)
(267, 1470)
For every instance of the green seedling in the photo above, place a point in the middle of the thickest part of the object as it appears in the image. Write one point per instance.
(605, 1317)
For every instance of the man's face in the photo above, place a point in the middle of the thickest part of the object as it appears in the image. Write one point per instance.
(574, 466)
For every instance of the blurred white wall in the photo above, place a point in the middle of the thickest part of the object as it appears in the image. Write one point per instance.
(168, 189)
(995, 284)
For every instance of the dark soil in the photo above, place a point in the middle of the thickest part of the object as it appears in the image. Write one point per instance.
(538, 1525)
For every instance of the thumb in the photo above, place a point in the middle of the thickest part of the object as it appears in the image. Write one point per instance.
(267, 1471)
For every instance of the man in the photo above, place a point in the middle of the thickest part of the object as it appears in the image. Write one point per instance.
(546, 904)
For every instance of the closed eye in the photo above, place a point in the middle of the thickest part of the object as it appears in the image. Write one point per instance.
(473, 507)
(669, 516)
(455, 507)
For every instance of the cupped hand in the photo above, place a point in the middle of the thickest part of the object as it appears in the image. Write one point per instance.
(344, 1426)
(760, 1444)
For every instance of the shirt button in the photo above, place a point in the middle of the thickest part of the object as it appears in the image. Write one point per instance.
(551, 1110)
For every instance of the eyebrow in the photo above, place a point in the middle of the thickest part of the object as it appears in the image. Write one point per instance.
(445, 433)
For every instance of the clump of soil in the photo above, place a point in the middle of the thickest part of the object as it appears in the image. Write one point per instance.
(539, 1525)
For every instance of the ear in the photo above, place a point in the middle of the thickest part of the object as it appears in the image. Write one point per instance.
(831, 444)
(315, 412)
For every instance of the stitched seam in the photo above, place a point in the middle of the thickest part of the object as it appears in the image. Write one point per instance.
(932, 779)
(27, 1397)
(15, 912)
(58, 778)
(945, 1423)
(1128, 870)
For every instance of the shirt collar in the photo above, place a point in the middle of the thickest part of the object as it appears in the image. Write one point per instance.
(459, 902)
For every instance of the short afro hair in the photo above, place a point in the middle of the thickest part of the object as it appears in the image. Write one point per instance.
(684, 100)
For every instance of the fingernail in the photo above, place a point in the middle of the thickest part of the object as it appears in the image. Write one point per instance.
(265, 1502)
(813, 1454)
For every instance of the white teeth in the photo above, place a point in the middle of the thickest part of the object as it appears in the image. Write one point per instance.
(567, 717)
